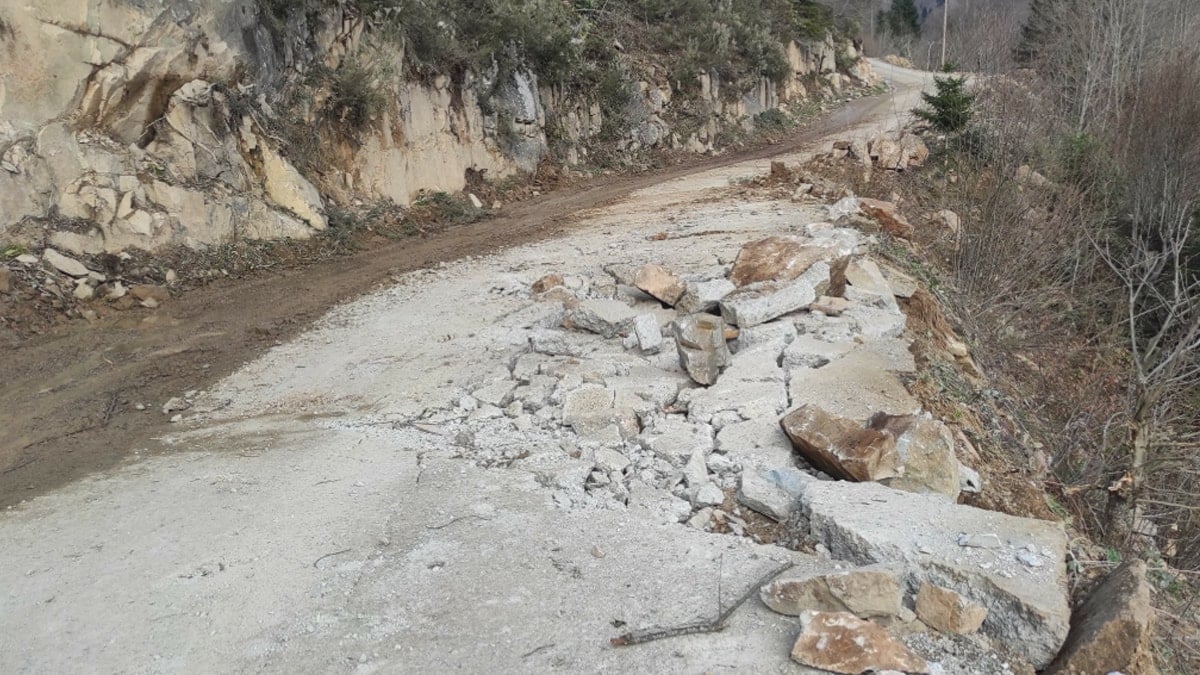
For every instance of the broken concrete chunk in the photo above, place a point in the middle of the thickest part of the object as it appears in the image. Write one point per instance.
(841, 447)
(926, 448)
(944, 610)
(843, 643)
(65, 264)
(759, 493)
(648, 332)
(1112, 631)
(866, 592)
(774, 259)
(867, 523)
(760, 302)
(704, 296)
(708, 495)
(498, 393)
(675, 440)
(660, 282)
(703, 352)
(695, 472)
(608, 459)
(590, 411)
(608, 318)
(559, 343)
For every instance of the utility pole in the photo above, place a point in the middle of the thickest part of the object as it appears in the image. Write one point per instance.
(945, 21)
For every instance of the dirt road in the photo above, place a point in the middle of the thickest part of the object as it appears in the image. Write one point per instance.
(402, 466)
(68, 404)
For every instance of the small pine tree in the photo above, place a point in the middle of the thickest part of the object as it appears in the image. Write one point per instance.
(950, 108)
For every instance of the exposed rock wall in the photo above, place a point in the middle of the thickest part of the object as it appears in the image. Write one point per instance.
(151, 123)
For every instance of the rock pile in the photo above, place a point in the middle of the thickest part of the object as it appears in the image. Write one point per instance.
(57, 284)
(768, 394)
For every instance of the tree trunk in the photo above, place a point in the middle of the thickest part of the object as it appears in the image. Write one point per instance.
(1122, 510)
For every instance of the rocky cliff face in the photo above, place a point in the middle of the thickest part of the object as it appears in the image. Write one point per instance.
(152, 123)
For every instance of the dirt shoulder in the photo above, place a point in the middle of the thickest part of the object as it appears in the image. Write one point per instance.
(69, 404)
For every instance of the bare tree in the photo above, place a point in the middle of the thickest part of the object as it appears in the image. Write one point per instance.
(1158, 263)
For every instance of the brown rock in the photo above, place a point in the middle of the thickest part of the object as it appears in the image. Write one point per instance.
(780, 172)
(944, 610)
(661, 283)
(837, 276)
(926, 450)
(546, 283)
(888, 217)
(830, 306)
(843, 643)
(1111, 631)
(144, 292)
(5, 280)
(840, 447)
(774, 259)
(914, 149)
(872, 591)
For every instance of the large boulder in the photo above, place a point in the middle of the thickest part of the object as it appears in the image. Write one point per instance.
(840, 642)
(842, 447)
(1111, 631)
(926, 449)
(1019, 574)
(760, 302)
(774, 259)
(871, 591)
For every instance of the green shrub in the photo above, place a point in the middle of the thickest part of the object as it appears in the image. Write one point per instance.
(355, 96)
(950, 108)
(773, 120)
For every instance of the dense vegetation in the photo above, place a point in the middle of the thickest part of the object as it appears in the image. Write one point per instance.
(1097, 265)
(573, 43)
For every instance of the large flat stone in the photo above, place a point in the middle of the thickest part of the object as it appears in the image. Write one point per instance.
(1028, 609)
